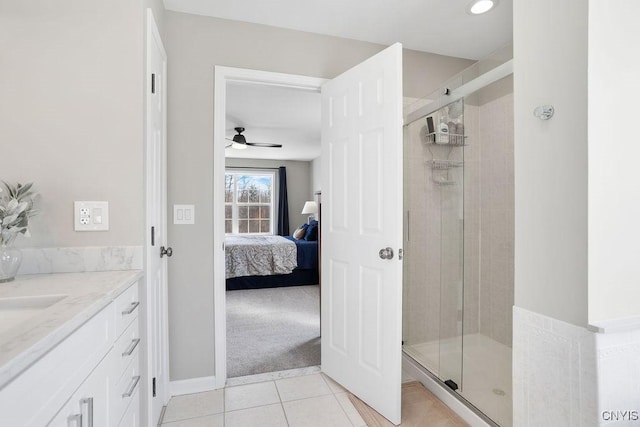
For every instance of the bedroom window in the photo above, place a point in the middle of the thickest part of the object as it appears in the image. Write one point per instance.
(249, 202)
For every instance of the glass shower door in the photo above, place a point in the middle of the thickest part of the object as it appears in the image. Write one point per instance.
(447, 173)
(433, 263)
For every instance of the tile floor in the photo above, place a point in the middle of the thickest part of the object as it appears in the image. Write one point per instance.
(309, 401)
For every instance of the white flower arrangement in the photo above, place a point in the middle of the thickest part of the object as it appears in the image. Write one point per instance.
(16, 207)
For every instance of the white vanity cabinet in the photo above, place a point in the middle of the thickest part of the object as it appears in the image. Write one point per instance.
(106, 394)
(89, 379)
(89, 405)
(125, 360)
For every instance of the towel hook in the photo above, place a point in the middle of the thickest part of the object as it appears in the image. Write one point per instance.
(544, 112)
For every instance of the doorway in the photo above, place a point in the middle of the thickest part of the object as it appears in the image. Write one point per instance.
(242, 79)
(272, 146)
(362, 148)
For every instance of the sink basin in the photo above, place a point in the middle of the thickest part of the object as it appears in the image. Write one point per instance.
(16, 310)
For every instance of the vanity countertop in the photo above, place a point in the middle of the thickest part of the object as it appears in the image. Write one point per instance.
(38, 311)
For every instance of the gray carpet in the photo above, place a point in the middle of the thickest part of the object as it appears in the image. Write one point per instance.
(272, 329)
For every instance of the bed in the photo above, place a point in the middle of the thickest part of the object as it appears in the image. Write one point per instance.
(254, 262)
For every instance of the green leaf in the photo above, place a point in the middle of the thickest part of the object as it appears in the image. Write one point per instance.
(22, 191)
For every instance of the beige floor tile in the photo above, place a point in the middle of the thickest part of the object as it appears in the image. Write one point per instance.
(334, 386)
(322, 411)
(262, 416)
(302, 387)
(209, 421)
(350, 410)
(419, 408)
(194, 405)
(250, 395)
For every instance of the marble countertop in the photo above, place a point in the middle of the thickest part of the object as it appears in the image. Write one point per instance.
(82, 295)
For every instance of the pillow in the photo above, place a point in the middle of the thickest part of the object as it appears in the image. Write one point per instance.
(300, 232)
(312, 231)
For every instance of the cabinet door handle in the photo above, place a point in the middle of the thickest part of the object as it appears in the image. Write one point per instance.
(132, 386)
(132, 346)
(89, 402)
(75, 419)
(131, 308)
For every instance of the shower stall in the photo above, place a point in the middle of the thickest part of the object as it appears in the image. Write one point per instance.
(459, 235)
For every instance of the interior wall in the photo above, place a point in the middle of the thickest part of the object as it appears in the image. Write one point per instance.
(614, 186)
(316, 180)
(489, 212)
(195, 45)
(298, 183)
(71, 113)
(157, 8)
(550, 67)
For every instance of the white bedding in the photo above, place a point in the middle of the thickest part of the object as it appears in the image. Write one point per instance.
(259, 256)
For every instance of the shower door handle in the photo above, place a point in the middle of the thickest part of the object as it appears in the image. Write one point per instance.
(386, 253)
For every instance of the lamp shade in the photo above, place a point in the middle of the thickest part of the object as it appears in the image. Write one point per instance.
(310, 207)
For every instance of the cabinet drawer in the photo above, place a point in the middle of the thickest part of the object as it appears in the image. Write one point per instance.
(126, 348)
(126, 389)
(127, 308)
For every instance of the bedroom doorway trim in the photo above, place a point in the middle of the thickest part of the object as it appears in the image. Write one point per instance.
(224, 75)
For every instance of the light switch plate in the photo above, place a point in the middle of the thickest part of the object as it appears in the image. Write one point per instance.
(91, 216)
(184, 214)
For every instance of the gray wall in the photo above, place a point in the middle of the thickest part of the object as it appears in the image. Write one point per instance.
(316, 179)
(550, 67)
(298, 184)
(195, 45)
(71, 113)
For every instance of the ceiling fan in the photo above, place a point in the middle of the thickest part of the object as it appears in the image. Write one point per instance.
(239, 142)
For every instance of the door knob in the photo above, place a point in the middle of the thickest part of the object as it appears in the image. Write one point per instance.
(165, 251)
(386, 253)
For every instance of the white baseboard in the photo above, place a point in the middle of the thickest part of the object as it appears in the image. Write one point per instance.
(413, 369)
(192, 385)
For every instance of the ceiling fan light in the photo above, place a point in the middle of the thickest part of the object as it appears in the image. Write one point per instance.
(238, 145)
(478, 7)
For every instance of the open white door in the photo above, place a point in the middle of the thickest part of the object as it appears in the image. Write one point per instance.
(361, 229)
(155, 307)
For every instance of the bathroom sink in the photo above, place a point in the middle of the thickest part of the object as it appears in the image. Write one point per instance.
(16, 310)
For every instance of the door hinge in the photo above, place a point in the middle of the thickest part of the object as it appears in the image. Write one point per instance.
(400, 254)
(153, 386)
(153, 83)
(153, 236)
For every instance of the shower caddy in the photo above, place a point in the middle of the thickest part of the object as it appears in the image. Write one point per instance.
(448, 141)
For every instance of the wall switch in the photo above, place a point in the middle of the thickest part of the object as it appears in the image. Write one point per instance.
(184, 214)
(91, 216)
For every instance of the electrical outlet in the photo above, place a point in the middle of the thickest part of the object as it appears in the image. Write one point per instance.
(91, 216)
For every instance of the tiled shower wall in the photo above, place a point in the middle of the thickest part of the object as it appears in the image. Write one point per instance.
(421, 320)
(489, 206)
(432, 311)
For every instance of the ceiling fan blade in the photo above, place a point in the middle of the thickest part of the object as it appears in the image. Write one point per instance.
(264, 144)
(239, 141)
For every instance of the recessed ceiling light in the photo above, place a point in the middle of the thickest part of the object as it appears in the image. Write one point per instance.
(478, 7)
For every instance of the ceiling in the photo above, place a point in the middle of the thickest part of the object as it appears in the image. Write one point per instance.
(274, 114)
(292, 117)
(437, 26)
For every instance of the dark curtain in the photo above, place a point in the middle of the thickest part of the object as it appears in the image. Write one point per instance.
(283, 203)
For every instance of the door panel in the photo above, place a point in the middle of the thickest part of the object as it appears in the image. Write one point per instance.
(362, 293)
(156, 188)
